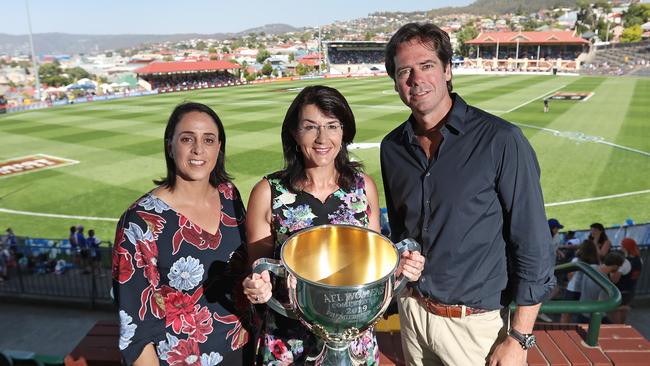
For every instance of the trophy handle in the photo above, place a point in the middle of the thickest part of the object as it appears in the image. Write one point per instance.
(276, 267)
(402, 246)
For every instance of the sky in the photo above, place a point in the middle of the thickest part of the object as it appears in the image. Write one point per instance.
(189, 16)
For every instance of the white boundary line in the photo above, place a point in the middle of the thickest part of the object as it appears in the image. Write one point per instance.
(596, 198)
(534, 99)
(29, 213)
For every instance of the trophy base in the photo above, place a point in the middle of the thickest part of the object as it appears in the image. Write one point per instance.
(336, 354)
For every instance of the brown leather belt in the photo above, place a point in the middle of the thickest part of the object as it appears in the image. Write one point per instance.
(447, 311)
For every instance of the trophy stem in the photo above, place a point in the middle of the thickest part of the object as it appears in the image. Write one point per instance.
(337, 354)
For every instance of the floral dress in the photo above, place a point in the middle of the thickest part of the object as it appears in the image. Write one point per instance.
(286, 341)
(175, 283)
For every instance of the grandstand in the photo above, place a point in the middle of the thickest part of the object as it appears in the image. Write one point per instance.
(528, 51)
(355, 57)
(176, 76)
(619, 59)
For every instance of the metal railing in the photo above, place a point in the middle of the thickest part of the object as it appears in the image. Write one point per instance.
(58, 272)
(597, 308)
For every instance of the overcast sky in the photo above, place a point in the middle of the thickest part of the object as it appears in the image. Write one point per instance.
(189, 16)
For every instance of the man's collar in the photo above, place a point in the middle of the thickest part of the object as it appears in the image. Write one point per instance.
(455, 119)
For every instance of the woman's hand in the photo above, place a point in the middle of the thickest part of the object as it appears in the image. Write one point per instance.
(411, 265)
(257, 287)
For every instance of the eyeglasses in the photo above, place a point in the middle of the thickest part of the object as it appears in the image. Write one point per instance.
(328, 129)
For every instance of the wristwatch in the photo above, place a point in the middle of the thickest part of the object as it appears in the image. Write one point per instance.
(527, 341)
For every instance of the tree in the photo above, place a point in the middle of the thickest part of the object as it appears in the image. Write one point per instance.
(302, 69)
(108, 54)
(267, 69)
(467, 33)
(292, 57)
(201, 45)
(168, 58)
(51, 74)
(225, 49)
(368, 36)
(262, 55)
(632, 34)
(636, 14)
(77, 73)
(212, 49)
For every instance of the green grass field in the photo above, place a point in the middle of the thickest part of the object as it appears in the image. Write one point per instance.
(119, 145)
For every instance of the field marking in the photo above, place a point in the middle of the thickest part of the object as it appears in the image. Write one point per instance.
(40, 214)
(580, 137)
(534, 99)
(597, 198)
(67, 162)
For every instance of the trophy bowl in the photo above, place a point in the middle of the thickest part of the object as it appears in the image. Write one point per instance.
(340, 280)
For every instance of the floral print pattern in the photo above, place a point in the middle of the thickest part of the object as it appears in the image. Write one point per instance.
(185, 274)
(285, 341)
(162, 272)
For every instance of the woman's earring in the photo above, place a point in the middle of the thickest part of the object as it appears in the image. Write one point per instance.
(297, 148)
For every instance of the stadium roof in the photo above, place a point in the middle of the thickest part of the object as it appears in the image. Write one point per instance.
(550, 37)
(178, 67)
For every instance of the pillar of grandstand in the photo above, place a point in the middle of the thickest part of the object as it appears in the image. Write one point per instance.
(528, 51)
(355, 57)
(177, 76)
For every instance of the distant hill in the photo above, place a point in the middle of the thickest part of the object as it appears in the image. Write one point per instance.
(493, 7)
(64, 43)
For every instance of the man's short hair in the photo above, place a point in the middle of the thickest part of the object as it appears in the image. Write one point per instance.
(427, 34)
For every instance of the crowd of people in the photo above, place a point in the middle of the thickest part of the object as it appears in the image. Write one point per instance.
(182, 81)
(621, 266)
(355, 56)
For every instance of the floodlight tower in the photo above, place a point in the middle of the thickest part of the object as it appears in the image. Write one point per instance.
(34, 61)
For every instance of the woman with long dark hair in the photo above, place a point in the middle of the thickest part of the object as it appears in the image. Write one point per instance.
(318, 185)
(599, 237)
(180, 251)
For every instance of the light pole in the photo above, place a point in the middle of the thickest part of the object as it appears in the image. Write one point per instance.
(34, 61)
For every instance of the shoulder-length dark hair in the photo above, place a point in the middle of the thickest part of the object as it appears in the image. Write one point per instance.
(603, 235)
(333, 104)
(218, 174)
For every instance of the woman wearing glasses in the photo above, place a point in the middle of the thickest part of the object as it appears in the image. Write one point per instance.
(318, 185)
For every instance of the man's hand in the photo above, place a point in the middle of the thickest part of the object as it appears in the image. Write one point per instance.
(411, 265)
(508, 353)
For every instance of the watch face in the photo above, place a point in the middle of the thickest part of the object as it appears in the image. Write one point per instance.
(529, 341)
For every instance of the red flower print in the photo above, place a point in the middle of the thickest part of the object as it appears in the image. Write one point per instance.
(199, 324)
(188, 232)
(228, 221)
(238, 333)
(186, 353)
(179, 306)
(155, 223)
(278, 348)
(227, 190)
(122, 260)
(146, 256)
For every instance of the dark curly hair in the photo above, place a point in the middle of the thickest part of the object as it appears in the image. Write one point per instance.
(333, 104)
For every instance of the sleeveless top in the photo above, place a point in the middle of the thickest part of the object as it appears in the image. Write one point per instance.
(286, 341)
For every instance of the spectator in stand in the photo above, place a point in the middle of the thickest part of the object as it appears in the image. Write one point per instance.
(599, 236)
(555, 226)
(12, 242)
(84, 253)
(571, 244)
(587, 253)
(590, 290)
(93, 247)
(5, 257)
(74, 248)
(626, 278)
